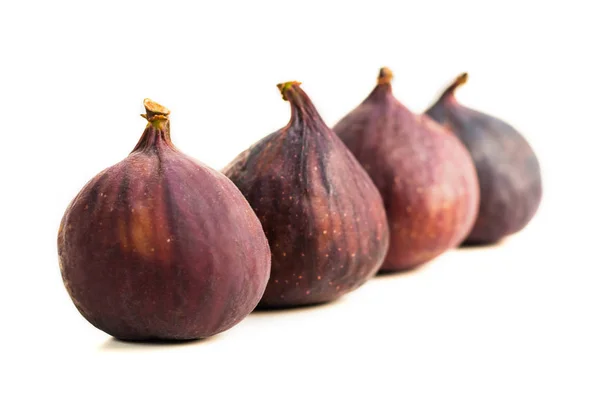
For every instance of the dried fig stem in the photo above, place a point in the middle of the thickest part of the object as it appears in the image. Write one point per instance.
(303, 110)
(285, 87)
(158, 127)
(155, 111)
(385, 76)
(459, 81)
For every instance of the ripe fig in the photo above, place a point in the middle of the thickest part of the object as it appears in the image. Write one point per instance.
(423, 172)
(160, 246)
(507, 168)
(323, 216)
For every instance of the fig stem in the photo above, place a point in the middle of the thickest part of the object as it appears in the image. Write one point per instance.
(459, 81)
(385, 76)
(303, 109)
(158, 127)
(155, 111)
(285, 86)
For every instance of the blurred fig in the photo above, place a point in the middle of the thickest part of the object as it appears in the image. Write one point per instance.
(507, 168)
(162, 247)
(322, 214)
(423, 172)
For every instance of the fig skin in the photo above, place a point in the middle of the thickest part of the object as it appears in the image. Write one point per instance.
(424, 174)
(162, 247)
(323, 216)
(507, 168)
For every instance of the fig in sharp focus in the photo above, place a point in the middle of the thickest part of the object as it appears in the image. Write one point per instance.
(507, 167)
(425, 175)
(160, 246)
(323, 216)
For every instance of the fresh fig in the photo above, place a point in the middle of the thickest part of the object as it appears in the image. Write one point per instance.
(507, 168)
(322, 214)
(423, 172)
(162, 247)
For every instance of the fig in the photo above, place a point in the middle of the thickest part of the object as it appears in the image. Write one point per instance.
(322, 215)
(507, 168)
(424, 174)
(160, 246)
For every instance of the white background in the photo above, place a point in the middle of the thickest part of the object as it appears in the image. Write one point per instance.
(517, 321)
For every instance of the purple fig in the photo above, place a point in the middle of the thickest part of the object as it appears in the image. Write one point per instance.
(322, 214)
(507, 167)
(162, 247)
(423, 172)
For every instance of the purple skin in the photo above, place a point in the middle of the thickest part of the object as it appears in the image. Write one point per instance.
(322, 214)
(161, 247)
(507, 167)
(424, 174)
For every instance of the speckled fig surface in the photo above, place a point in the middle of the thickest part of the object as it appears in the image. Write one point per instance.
(507, 167)
(423, 172)
(322, 214)
(162, 247)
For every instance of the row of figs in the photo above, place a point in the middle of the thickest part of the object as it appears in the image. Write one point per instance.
(160, 246)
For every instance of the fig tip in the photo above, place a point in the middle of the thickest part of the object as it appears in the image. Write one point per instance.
(458, 81)
(462, 78)
(155, 108)
(385, 75)
(284, 86)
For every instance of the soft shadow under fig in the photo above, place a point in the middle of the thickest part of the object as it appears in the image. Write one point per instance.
(475, 245)
(383, 274)
(296, 308)
(114, 344)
